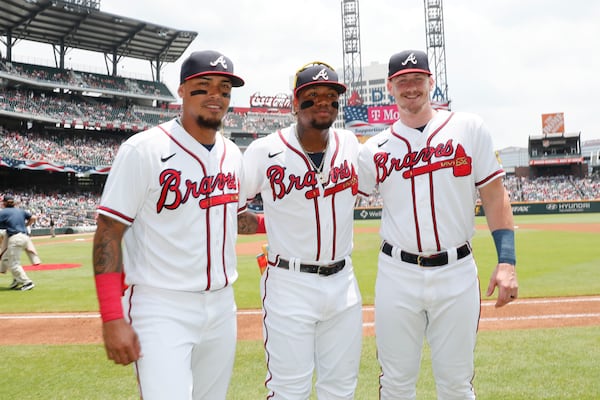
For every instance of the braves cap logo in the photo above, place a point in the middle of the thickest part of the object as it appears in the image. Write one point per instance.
(317, 73)
(208, 62)
(322, 74)
(408, 61)
(411, 58)
(221, 60)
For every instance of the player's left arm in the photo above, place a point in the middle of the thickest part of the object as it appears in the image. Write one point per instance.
(498, 211)
(250, 222)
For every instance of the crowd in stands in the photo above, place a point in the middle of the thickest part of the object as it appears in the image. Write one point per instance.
(73, 110)
(64, 208)
(85, 80)
(88, 147)
(555, 188)
(78, 209)
(68, 109)
(259, 123)
(92, 150)
(524, 189)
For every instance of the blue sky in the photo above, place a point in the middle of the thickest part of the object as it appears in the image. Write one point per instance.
(509, 61)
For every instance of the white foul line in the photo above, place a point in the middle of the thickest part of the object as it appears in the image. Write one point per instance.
(532, 317)
(583, 299)
(50, 316)
(523, 318)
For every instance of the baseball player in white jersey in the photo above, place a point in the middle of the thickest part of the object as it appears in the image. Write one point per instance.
(429, 166)
(306, 176)
(173, 195)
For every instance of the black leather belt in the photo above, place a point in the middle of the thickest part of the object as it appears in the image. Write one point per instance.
(434, 260)
(325, 270)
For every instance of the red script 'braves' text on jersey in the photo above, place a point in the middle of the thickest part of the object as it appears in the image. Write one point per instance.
(163, 182)
(421, 174)
(303, 215)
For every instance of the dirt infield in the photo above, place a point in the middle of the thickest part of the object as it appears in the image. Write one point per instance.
(85, 328)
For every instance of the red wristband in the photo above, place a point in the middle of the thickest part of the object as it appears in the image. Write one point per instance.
(109, 287)
(261, 228)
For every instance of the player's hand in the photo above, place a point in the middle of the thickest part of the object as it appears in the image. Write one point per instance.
(121, 342)
(504, 278)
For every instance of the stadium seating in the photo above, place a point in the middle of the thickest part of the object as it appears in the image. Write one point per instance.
(85, 80)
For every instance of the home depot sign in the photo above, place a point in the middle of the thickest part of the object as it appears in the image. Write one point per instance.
(553, 123)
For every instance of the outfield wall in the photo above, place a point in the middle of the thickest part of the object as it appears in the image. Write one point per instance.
(519, 208)
(68, 230)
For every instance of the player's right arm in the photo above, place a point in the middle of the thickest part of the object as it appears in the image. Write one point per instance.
(120, 340)
(250, 223)
(247, 223)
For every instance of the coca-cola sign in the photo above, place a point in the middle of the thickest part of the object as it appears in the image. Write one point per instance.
(280, 100)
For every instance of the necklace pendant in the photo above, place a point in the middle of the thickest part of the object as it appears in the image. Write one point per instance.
(322, 178)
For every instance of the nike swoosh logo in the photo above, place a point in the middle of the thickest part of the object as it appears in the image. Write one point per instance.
(271, 155)
(382, 143)
(167, 158)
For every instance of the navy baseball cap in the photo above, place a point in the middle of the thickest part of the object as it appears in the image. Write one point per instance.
(208, 62)
(408, 61)
(317, 73)
(9, 201)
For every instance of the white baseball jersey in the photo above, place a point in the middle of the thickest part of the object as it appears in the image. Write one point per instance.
(429, 180)
(181, 202)
(308, 222)
(303, 216)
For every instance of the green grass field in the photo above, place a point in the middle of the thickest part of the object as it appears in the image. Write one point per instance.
(521, 364)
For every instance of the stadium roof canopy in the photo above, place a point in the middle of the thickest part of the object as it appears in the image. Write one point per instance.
(81, 25)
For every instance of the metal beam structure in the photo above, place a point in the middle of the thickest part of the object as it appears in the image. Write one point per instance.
(351, 48)
(436, 51)
(79, 24)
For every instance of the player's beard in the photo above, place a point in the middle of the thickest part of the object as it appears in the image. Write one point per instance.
(212, 123)
(413, 109)
(414, 106)
(321, 125)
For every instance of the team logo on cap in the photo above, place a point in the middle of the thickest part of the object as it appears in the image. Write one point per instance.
(411, 58)
(322, 74)
(221, 60)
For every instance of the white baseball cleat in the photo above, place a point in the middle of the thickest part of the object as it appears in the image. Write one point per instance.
(28, 286)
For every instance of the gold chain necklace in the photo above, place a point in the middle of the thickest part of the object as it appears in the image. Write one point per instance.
(319, 170)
